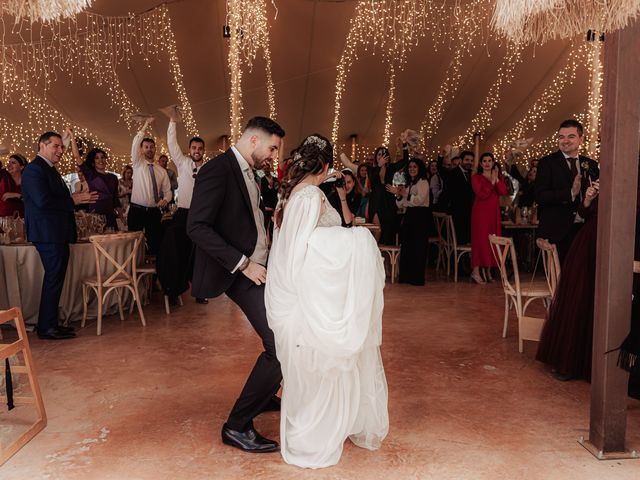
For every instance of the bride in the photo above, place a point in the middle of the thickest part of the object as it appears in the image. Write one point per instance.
(324, 304)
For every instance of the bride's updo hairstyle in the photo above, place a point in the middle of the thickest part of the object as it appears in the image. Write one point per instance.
(309, 158)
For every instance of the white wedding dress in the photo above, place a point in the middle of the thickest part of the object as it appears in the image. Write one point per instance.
(324, 304)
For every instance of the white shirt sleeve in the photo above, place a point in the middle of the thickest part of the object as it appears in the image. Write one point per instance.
(177, 155)
(239, 263)
(136, 157)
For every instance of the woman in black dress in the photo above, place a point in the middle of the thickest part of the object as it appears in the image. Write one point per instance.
(566, 340)
(415, 224)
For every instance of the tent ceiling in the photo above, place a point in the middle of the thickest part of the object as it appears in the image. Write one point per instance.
(307, 40)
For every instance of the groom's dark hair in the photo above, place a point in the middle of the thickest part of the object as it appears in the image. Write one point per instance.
(266, 125)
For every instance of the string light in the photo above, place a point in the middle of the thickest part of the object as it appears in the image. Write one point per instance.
(594, 60)
(483, 118)
(535, 115)
(91, 47)
(249, 28)
(392, 29)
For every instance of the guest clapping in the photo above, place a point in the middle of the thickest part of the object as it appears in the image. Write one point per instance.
(488, 185)
(11, 188)
(415, 225)
(94, 170)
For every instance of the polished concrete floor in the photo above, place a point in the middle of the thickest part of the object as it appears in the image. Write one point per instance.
(148, 403)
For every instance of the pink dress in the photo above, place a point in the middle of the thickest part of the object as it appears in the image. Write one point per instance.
(485, 218)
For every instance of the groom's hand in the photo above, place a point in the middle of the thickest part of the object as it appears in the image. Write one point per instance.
(256, 273)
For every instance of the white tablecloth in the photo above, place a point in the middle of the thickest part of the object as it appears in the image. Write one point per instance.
(21, 276)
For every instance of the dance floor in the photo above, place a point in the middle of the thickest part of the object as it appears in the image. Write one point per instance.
(148, 403)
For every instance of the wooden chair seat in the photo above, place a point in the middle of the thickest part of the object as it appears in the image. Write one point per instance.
(94, 282)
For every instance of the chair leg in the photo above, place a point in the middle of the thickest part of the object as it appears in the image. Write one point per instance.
(84, 305)
(119, 294)
(455, 267)
(506, 315)
(180, 301)
(99, 327)
(136, 294)
(133, 299)
(167, 310)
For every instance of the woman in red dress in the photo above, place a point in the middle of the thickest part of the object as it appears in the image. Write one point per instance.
(10, 186)
(488, 185)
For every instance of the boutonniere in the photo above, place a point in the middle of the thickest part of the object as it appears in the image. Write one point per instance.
(584, 166)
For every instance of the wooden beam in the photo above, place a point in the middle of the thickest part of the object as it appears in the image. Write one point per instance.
(616, 228)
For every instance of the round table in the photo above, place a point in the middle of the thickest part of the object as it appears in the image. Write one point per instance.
(21, 275)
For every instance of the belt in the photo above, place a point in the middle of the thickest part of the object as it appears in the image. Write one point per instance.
(140, 207)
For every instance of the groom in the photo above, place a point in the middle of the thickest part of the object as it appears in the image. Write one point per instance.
(227, 227)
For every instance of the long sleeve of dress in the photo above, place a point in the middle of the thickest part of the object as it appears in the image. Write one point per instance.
(418, 199)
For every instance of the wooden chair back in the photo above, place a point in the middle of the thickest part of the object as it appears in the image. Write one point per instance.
(116, 271)
(551, 263)
(503, 250)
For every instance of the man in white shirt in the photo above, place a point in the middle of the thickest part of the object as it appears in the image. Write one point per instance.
(151, 189)
(175, 270)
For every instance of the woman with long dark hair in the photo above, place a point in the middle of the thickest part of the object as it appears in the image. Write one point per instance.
(94, 169)
(488, 185)
(10, 186)
(324, 302)
(415, 224)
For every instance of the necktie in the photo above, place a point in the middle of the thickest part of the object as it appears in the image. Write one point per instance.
(154, 184)
(572, 166)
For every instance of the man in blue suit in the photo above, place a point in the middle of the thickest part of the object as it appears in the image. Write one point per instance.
(51, 227)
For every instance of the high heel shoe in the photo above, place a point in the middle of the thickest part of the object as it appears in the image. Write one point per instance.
(476, 278)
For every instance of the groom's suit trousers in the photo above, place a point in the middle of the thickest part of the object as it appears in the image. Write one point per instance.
(264, 380)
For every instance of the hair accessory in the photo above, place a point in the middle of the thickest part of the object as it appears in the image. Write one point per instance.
(319, 142)
(297, 157)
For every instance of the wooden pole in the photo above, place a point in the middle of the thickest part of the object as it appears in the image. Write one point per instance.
(476, 150)
(615, 244)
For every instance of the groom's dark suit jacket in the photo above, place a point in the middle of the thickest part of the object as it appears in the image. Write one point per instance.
(221, 225)
(553, 194)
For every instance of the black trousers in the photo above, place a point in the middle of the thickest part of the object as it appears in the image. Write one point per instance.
(413, 249)
(146, 219)
(175, 256)
(264, 380)
(54, 257)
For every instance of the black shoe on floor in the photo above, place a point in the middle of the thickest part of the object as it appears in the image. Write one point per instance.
(56, 334)
(202, 301)
(249, 441)
(273, 405)
(562, 377)
(62, 328)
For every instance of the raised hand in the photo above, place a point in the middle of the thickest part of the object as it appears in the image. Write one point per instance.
(577, 184)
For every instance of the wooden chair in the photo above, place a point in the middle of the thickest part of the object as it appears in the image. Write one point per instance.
(9, 350)
(551, 263)
(529, 328)
(440, 240)
(394, 255)
(456, 251)
(117, 275)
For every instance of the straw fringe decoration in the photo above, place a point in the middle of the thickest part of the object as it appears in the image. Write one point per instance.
(538, 21)
(44, 10)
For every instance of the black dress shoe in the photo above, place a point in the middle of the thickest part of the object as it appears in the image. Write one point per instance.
(249, 441)
(273, 405)
(562, 377)
(202, 301)
(56, 334)
(62, 328)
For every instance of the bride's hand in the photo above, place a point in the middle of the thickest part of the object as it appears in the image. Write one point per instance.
(256, 273)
